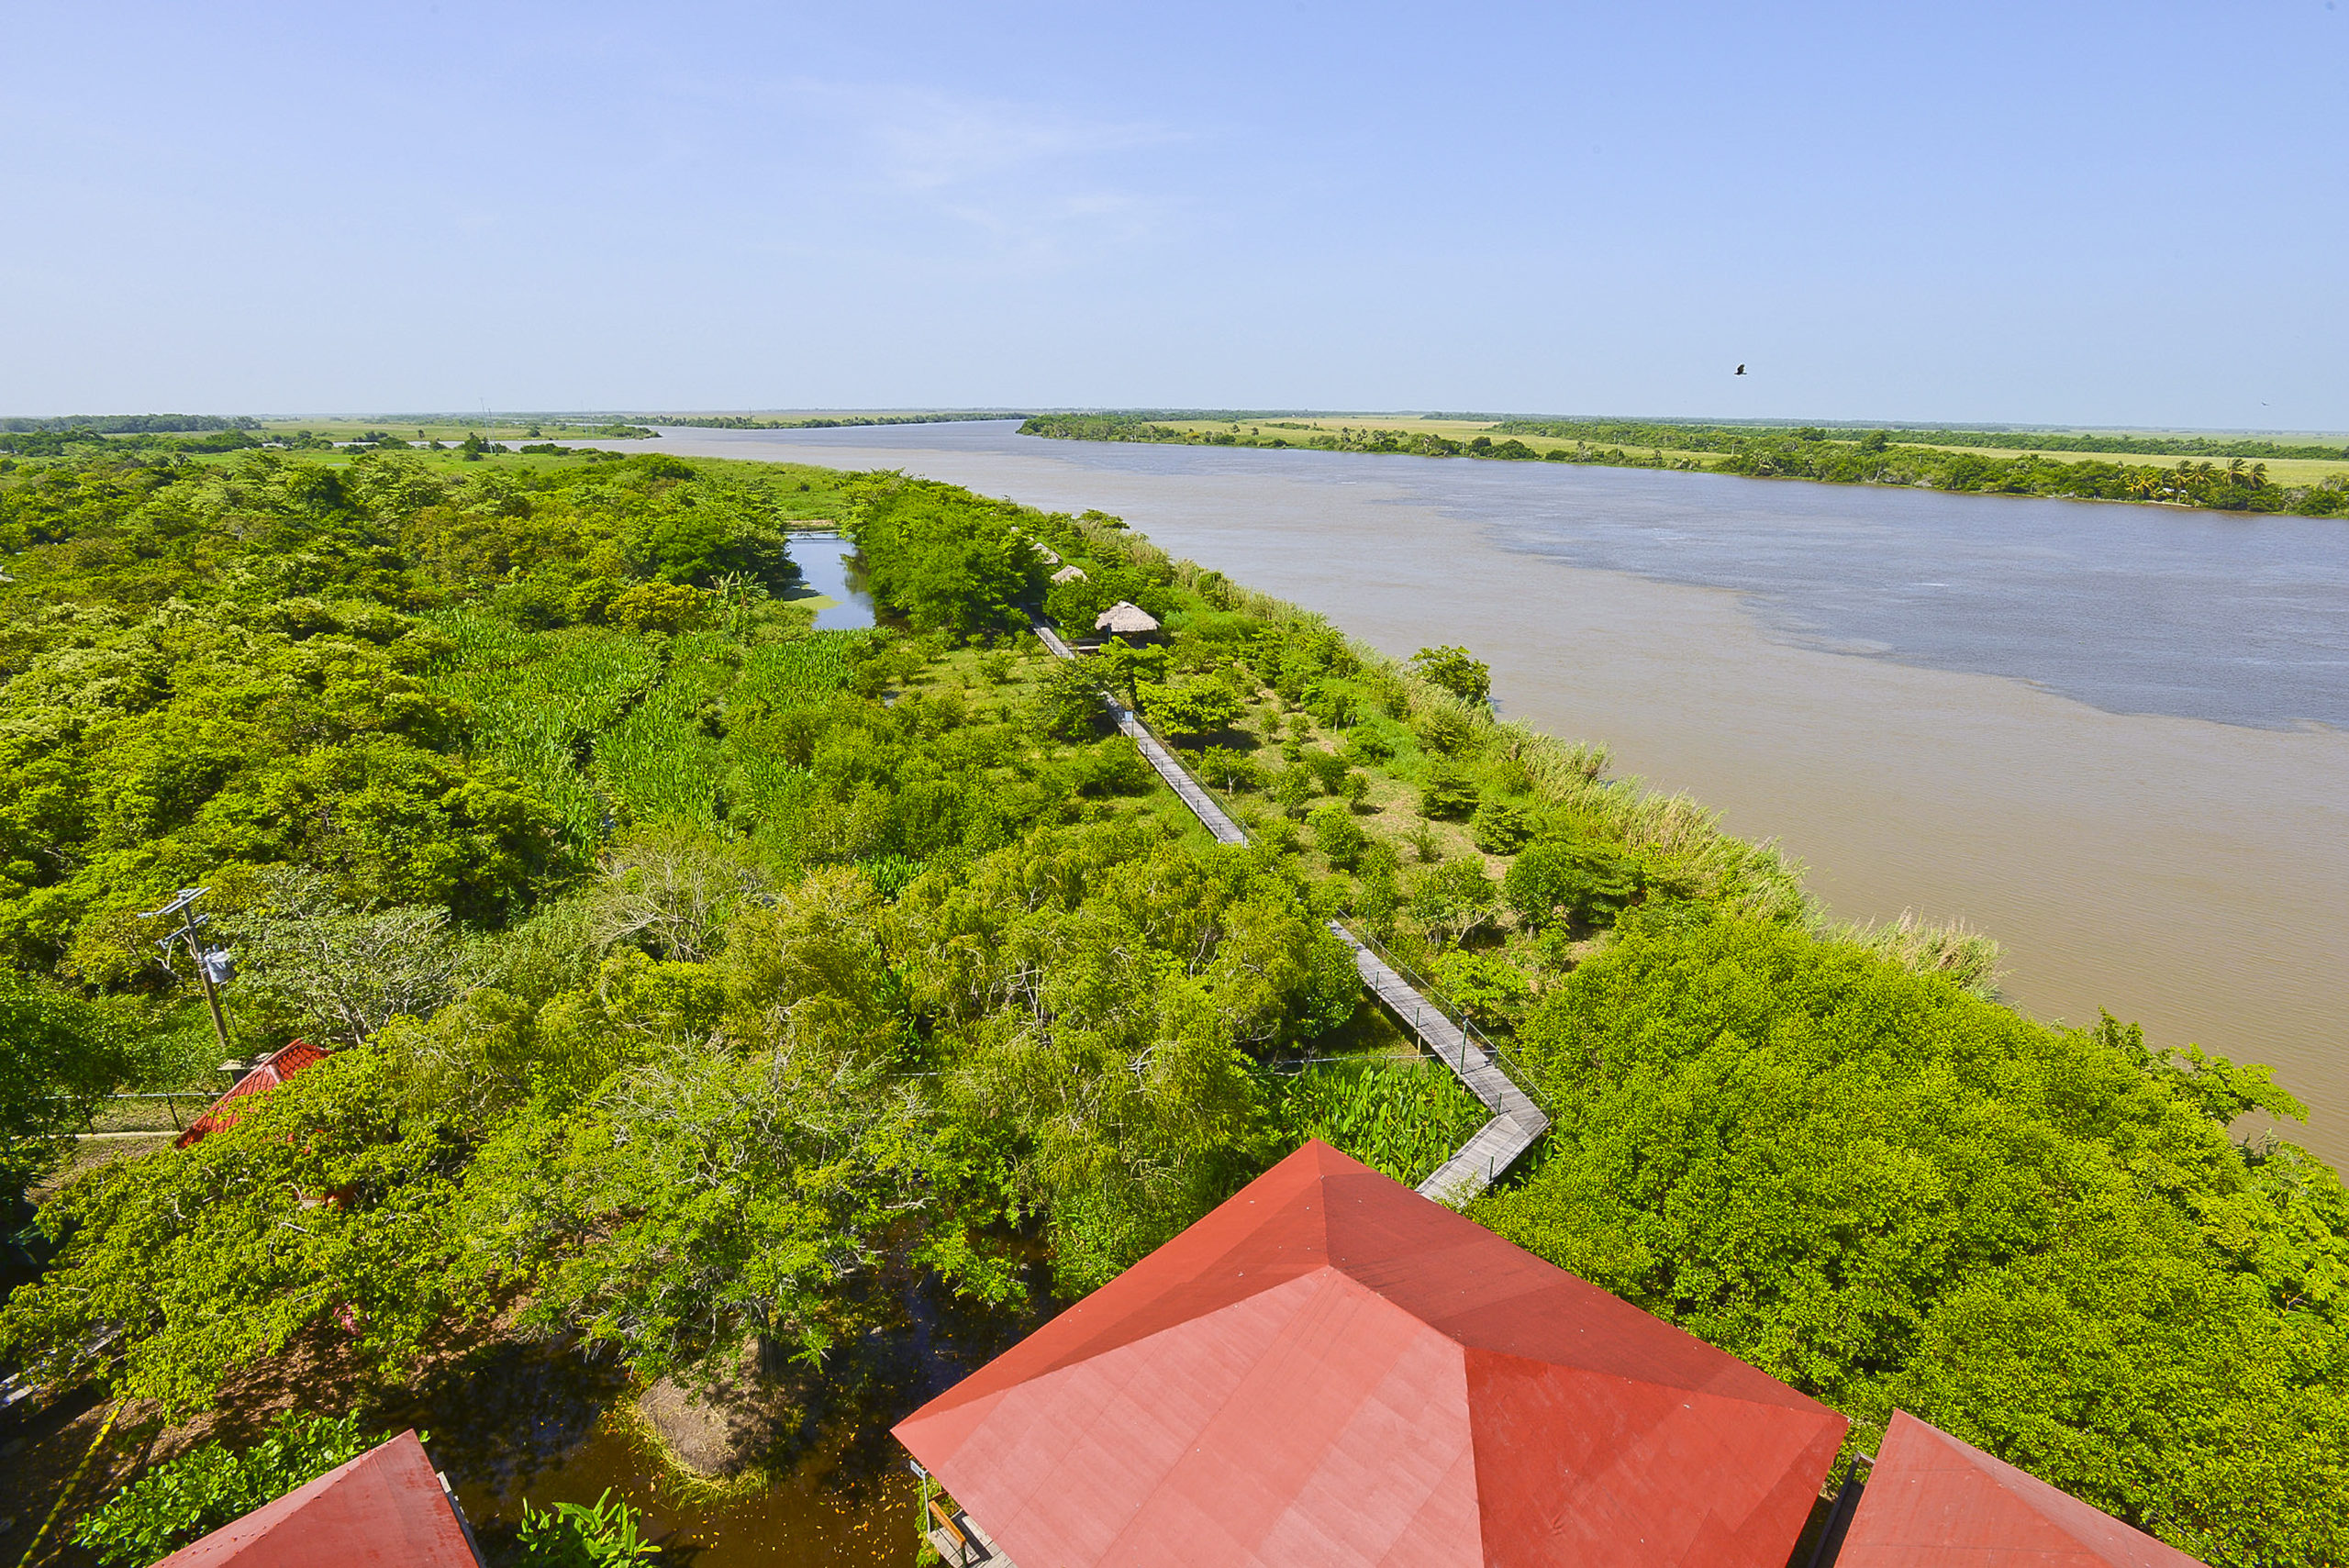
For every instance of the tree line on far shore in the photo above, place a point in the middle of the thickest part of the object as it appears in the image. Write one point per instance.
(2239, 483)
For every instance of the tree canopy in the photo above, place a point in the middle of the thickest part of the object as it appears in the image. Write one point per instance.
(701, 982)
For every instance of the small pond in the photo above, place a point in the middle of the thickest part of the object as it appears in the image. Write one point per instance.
(809, 1519)
(830, 579)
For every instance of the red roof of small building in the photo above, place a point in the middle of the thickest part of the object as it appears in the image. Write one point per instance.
(384, 1509)
(267, 1074)
(1936, 1502)
(1330, 1370)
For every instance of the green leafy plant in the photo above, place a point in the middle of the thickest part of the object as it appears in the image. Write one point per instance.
(1500, 827)
(1195, 708)
(1337, 835)
(1456, 670)
(1486, 985)
(1400, 1117)
(602, 1534)
(187, 1497)
(1582, 879)
(1448, 793)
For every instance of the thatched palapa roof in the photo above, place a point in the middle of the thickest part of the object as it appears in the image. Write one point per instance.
(1069, 574)
(1123, 619)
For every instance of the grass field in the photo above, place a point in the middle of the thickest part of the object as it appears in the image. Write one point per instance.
(1300, 428)
(494, 427)
(1297, 428)
(2280, 471)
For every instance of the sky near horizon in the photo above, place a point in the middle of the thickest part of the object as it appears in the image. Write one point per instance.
(2098, 215)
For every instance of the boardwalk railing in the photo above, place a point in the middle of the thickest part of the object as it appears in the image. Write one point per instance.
(1432, 995)
(1456, 1042)
(1516, 1121)
(137, 1115)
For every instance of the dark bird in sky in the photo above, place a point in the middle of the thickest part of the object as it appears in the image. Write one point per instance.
(1740, 370)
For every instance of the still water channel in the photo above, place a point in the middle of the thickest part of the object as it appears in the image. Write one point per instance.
(829, 581)
(2116, 738)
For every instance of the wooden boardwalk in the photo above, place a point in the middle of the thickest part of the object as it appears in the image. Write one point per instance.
(1517, 1121)
(960, 1542)
(1178, 778)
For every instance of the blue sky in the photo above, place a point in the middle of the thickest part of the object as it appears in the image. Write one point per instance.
(2072, 214)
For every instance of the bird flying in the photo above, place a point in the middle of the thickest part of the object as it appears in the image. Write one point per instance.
(1740, 370)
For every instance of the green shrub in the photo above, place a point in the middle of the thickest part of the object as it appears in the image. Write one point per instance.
(1444, 730)
(1329, 770)
(62, 1055)
(1485, 984)
(1447, 794)
(1452, 898)
(1293, 787)
(1581, 879)
(1114, 767)
(1195, 708)
(580, 1535)
(1068, 701)
(185, 1498)
(1337, 835)
(1229, 771)
(1455, 670)
(1331, 705)
(1500, 829)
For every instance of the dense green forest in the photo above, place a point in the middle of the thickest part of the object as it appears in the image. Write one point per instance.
(699, 981)
(61, 438)
(1807, 452)
(132, 424)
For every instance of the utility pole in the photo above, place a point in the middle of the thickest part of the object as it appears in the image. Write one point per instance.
(212, 966)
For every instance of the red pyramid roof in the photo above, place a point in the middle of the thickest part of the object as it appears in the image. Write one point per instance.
(384, 1509)
(267, 1074)
(1936, 1502)
(1330, 1369)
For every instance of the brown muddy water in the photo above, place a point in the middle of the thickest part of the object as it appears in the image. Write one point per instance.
(805, 1520)
(2115, 738)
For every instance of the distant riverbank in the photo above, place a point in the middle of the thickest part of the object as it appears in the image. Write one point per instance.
(2260, 477)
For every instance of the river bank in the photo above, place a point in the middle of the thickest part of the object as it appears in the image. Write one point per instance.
(2311, 483)
(1938, 750)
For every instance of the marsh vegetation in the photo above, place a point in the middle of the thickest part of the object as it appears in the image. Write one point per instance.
(713, 992)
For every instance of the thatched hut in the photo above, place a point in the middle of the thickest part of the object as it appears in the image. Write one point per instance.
(1069, 574)
(1127, 620)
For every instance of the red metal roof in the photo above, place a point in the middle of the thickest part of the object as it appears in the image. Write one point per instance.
(384, 1509)
(1936, 1502)
(1330, 1370)
(267, 1074)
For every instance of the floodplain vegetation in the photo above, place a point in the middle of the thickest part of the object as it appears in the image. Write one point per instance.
(708, 991)
(2209, 472)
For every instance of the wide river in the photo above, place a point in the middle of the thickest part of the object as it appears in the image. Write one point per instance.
(2116, 738)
